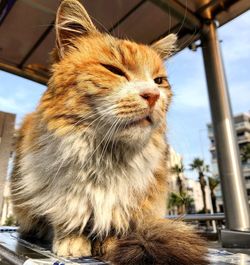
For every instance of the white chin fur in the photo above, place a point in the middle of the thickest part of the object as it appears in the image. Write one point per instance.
(135, 135)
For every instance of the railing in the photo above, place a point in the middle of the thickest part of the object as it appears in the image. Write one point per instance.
(198, 217)
(243, 138)
(246, 166)
(207, 224)
(244, 125)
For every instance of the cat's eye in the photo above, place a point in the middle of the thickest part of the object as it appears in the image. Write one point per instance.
(159, 80)
(115, 70)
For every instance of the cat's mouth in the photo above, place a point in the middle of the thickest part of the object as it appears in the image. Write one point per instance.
(143, 122)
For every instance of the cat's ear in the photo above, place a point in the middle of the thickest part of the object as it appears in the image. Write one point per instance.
(165, 46)
(72, 21)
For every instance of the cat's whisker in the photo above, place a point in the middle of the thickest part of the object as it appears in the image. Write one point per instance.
(30, 147)
(63, 160)
(170, 20)
(184, 18)
(115, 141)
(109, 138)
(93, 140)
(89, 125)
(98, 145)
(50, 135)
(103, 117)
(100, 23)
(42, 140)
(191, 39)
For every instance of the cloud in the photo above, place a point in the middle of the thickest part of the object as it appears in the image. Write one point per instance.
(236, 41)
(193, 95)
(240, 96)
(235, 50)
(10, 105)
(18, 95)
(15, 106)
(187, 78)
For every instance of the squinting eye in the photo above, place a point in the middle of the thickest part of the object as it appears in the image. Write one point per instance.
(114, 69)
(159, 80)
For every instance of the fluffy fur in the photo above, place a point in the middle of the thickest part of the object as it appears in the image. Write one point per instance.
(158, 242)
(91, 160)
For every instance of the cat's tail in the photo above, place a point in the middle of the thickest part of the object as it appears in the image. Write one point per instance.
(159, 242)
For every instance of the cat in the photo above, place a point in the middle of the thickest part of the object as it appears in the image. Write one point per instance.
(90, 167)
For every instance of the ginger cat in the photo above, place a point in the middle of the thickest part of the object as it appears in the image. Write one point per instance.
(90, 168)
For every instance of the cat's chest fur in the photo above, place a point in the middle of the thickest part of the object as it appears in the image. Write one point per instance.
(85, 182)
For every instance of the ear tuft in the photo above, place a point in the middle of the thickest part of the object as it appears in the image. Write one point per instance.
(166, 46)
(72, 21)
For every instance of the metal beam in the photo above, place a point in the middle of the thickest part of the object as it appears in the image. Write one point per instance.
(5, 7)
(37, 44)
(232, 11)
(130, 12)
(24, 73)
(232, 182)
(198, 217)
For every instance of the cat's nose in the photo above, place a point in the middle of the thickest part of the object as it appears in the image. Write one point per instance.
(150, 95)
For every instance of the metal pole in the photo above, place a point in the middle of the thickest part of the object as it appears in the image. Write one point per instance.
(233, 186)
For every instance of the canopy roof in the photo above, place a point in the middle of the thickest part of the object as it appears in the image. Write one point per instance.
(27, 34)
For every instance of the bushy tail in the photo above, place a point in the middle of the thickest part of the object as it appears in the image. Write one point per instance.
(158, 242)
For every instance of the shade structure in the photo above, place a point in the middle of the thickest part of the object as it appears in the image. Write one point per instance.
(27, 34)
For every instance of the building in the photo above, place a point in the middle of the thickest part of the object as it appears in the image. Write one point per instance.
(173, 160)
(194, 190)
(7, 210)
(242, 127)
(7, 124)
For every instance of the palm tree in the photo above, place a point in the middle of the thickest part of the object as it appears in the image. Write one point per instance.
(182, 201)
(245, 153)
(174, 200)
(178, 169)
(187, 200)
(213, 183)
(199, 165)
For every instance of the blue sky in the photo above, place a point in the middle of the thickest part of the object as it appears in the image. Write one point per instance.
(189, 112)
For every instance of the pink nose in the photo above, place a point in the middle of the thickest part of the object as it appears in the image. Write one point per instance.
(151, 96)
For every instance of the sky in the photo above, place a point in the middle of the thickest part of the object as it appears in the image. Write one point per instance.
(189, 113)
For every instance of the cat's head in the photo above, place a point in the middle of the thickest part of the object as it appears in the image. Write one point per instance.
(112, 87)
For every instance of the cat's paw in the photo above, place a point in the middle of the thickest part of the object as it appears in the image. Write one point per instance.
(100, 248)
(72, 246)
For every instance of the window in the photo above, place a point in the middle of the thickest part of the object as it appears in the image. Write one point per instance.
(240, 134)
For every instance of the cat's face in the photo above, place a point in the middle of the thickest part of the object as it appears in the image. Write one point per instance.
(112, 87)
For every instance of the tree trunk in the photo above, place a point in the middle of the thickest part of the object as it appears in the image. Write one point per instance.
(213, 199)
(179, 182)
(182, 209)
(204, 200)
(203, 186)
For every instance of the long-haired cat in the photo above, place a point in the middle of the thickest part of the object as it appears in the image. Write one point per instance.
(90, 168)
